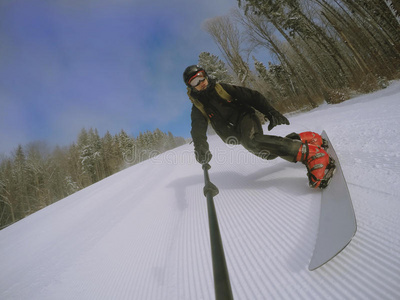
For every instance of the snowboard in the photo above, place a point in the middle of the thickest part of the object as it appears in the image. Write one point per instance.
(337, 221)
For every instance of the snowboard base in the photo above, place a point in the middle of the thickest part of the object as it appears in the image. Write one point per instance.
(337, 222)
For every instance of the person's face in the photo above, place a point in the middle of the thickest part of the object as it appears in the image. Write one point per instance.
(199, 81)
(202, 85)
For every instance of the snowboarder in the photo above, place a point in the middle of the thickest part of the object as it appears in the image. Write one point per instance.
(230, 110)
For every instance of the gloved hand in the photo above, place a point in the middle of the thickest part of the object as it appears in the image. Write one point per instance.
(276, 118)
(203, 155)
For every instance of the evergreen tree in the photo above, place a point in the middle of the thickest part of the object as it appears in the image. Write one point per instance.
(7, 201)
(171, 142)
(214, 67)
(97, 154)
(127, 148)
(109, 157)
(19, 183)
(36, 170)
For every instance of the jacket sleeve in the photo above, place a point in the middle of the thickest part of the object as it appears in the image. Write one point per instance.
(199, 130)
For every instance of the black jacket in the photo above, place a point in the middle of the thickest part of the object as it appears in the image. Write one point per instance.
(224, 116)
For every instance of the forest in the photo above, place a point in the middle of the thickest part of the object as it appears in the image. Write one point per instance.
(34, 176)
(300, 53)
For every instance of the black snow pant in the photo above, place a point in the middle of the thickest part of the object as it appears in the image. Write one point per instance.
(252, 138)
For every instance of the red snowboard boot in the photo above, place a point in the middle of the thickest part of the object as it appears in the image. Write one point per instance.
(320, 165)
(309, 137)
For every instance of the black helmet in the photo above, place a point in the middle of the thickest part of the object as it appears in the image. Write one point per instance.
(190, 72)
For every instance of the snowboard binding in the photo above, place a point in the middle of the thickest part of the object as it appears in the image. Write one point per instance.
(330, 170)
(320, 166)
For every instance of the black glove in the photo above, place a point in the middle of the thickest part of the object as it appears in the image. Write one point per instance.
(276, 118)
(203, 155)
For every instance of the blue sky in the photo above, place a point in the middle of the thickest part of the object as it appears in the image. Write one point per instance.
(106, 64)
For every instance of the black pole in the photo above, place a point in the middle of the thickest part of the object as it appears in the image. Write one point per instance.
(222, 283)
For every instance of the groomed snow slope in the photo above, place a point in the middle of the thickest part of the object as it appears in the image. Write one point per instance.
(143, 233)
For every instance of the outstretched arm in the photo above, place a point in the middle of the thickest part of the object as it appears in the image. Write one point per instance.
(199, 136)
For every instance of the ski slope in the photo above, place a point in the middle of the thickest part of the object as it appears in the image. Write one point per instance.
(143, 233)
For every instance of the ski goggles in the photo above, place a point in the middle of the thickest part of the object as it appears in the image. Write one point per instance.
(197, 78)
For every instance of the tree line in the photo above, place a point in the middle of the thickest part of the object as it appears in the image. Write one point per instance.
(320, 50)
(34, 177)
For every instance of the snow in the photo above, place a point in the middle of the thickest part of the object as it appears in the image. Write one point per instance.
(143, 232)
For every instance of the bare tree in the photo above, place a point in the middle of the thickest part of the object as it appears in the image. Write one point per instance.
(229, 40)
